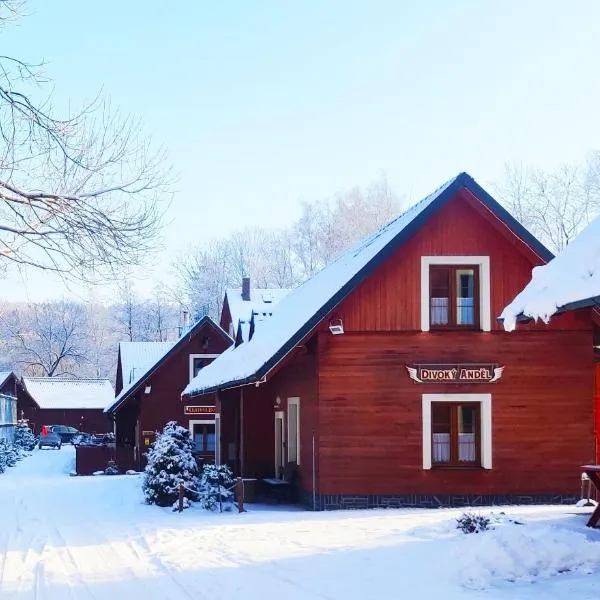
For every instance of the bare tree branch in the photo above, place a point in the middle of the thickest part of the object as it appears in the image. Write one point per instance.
(82, 194)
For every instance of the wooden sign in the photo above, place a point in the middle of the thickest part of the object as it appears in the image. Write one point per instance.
(455, 373)
(199, 410)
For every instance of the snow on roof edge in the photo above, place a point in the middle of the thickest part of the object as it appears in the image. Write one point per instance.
(570, 279)
(370, 248)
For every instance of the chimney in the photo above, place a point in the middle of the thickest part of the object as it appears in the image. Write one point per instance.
(246, 288)
(185, 322)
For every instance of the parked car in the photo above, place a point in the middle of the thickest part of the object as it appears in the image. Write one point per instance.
(49, 439)
(65, 433)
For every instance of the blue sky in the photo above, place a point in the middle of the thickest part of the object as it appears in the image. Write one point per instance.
(263, 103)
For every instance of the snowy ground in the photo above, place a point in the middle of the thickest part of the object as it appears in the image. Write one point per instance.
(91, 538)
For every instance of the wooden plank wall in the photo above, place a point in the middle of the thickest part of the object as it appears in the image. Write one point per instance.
(371, 412)
(390, 299)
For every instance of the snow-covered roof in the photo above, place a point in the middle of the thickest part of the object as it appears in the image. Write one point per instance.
(303, 308)
(145, 358)
(262, 301)
(138, 357)
(570, 280)
(59, 392)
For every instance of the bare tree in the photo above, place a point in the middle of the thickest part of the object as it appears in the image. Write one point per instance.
(47, 339)
(285, 257)
(80, 193)
(204, 275)
(101, 342)
(554, 205)
(126, 313)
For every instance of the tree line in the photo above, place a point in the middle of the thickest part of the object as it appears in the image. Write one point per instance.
(81, 339)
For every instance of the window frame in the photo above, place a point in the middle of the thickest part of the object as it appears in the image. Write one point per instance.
(191, 361)
(454, 462)
(485, 430)
(483, 305)
(203, 422)
(453, 296)
(289, 436)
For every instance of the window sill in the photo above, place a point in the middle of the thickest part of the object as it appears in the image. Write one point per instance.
(456, 468)
(455, 328)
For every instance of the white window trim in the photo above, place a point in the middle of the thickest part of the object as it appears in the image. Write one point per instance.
(290, 402)
(483, 262)
(193, 356)
(202, 422)
(485, 401)
(217, 439)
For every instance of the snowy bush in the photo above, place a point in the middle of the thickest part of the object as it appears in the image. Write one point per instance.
(473, 523)
(215, 486)
(170, 463)
(112, 468)
(529, 553)
(24, 438)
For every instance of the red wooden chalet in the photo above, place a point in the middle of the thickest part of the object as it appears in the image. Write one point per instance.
(150, 379)
(388, 381)
(78, 403)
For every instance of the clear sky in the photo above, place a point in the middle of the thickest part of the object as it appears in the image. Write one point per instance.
(263, 103)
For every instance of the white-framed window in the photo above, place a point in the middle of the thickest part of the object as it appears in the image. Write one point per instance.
(293, 430)
(204, 435)
(457, 430)
(455, 292)
(198, 362)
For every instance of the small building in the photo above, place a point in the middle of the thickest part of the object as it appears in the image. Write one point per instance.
(8, 404)
(387, 380)
(150, 379)
(78, 403)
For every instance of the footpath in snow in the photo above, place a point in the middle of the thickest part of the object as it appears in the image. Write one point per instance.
(75, 538)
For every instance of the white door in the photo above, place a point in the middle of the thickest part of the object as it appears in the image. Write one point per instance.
(279, 444)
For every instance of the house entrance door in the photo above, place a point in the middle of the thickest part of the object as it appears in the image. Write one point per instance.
(279, 444)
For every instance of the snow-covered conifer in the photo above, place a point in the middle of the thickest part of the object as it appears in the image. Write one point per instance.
(24, 438)
(216, 484)
(170, 463)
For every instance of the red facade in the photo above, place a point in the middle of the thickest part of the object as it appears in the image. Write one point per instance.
(367, 430)
(86, 419)
(155, 399)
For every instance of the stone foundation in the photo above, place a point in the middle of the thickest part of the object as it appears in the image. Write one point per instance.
(355, 502)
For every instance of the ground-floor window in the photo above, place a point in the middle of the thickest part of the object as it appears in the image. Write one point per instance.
(455, 434)
(457, 430)
(204, 437)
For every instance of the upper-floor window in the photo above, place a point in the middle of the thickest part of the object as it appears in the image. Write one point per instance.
(455, 293)
(454, 296)
(198, 362)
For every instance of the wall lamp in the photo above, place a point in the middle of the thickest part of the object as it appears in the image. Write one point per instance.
(336, 326)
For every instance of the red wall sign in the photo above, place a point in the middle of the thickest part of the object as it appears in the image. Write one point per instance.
(455, 373)
(199, 410)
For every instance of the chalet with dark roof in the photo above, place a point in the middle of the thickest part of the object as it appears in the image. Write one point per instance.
(387, 380)
(150, 379)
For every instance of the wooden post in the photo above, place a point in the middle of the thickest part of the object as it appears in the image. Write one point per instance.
(180, 499)
(239, 494)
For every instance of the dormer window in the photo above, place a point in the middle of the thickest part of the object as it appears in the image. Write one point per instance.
(453, 296)
(455, 293)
